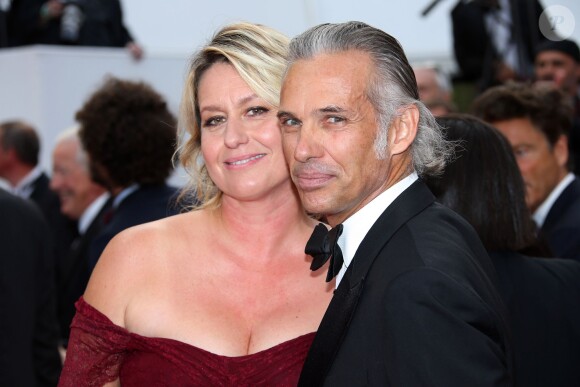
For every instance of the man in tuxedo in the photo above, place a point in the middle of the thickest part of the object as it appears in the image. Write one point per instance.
(85, 202)
(129, 134)
(536, 119)
(416, 303)
(19, 151)
(29, 330)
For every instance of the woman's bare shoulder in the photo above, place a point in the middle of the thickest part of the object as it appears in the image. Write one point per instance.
(134, 258)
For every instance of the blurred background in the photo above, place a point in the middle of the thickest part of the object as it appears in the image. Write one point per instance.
(46, 84)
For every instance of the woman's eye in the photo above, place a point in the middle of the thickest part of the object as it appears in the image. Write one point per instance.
(213, 121)
(257, 110)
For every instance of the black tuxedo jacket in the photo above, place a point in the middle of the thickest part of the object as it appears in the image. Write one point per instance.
(417, 306)
(63, 230)
(561, 229)
(542, 297)
(73, 273)
(146, 204)
(28, 326)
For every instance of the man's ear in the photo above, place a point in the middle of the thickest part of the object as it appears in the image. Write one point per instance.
(403, 129)
(560, 150)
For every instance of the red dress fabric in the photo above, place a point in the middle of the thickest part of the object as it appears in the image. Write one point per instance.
(100, 352)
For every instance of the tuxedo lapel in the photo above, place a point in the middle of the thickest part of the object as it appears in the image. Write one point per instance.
(39, 187)
(330, 332)
(407, 205)
(78, 253)
(561, 204)
(336, 320)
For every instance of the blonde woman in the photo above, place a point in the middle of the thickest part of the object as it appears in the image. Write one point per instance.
(223, 294)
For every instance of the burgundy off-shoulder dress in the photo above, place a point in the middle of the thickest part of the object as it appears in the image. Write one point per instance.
(100, 352)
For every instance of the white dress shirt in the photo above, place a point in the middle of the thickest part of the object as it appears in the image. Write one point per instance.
(542, 211)
(91, 212)
(24, 187)
(123, 194)
(358, 225)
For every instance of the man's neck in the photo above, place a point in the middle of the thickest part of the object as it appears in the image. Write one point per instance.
(398, 173)
(18, 172)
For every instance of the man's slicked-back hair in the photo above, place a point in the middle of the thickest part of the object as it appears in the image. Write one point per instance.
(392, 85)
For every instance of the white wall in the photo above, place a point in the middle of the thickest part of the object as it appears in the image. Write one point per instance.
(46, 85)
(182, 25)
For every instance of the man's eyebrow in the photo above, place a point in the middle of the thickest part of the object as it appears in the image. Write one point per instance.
(331, 109)
(326, 109)
(282, 113)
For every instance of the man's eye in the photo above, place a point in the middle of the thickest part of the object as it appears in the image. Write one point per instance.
(520, 152)
(257, 110)
(335, 119)
(289, 122)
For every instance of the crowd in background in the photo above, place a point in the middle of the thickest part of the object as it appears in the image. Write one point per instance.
(514, 178)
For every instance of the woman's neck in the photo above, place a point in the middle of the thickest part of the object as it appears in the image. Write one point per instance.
(263, 226)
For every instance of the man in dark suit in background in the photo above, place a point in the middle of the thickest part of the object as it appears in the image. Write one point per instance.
(19, 151)
(28, 327)
(416, 303)
(129, 135)
(558, 63)
(536, 119)
(494, 40)
(85, 202)
(541, 295)
(72, 22)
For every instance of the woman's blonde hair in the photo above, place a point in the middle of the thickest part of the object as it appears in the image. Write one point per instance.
(258, 53)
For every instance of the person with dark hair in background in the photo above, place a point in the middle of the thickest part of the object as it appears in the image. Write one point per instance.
(558, 63)
(28, 325)
(19, 153)
(484, 185)
(220, 295)
(85, 202)
(129, 134)
(415, 303)
(536, 120)
(69, 22)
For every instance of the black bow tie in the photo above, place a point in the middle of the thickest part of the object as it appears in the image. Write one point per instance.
(323, 245)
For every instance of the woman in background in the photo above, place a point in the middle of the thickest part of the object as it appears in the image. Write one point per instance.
(220, 295)
(542, 295)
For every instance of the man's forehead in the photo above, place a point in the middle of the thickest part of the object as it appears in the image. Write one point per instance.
(325, 73)
(552, 56)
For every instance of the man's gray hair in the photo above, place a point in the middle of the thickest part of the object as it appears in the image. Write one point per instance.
(392, 87)
(72, 134)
